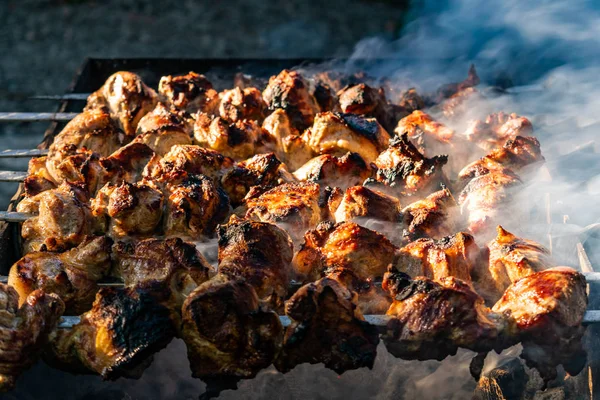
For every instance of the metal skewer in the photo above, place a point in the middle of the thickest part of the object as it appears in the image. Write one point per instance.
(67, 96)
(36, 116)
(24, 153)
(13, 176)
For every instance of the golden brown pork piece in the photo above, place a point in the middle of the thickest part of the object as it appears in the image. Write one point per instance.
(238, 104)
(128, 209)
(259, 253)
(290, 92)
(193, 207)
(361, 204)
(431, 320)
(362, 99)
(238, 140)
(372, 299)
(24, 331)
(176, 266)
(262, 170)
(228, 335)
(497, 129)
(72, 275)
(428, 135)
(126, 164)
(515, 154)
(329, 170)
(456, 256)
(116, 338)
(335, 133)
(485, 198)
(403, 170)
(187, 160)
(289, 146)
(63, 220)
(510, 259)
(327, 327)
(161, 129)
(126, 98)
(191, 93)
(546, 311)
(295, 206)
(344, 245)
(435, 216)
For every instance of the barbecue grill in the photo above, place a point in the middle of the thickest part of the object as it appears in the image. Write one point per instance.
(90, 77)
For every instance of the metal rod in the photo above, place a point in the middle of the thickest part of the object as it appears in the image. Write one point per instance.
(35, 116)
(13, 216)
(67, 96)
(24, 153)
(13, 176)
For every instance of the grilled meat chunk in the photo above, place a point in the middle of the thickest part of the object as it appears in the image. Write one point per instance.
(24, 331)
(456, 256)
(162, 129)
(238, 140)
(191, 93)
(362, 99)
(126, 164)
(295, 206)
(431, 320)
(546, 310)
(193, 207)
(410, 100)
(344, 245)
(259, 253)
(403, 170)
(239, 104)
(263, 170)
(451, 89)
(228, 335)
(435, 216)
(327, 327)
(116, 338)
(329, 170)
(128, 209)
(360, 204)
(497, 129)
(126, 98)
(458, 104)
(429, 135)
(290, 92)
(63, 220)
(515, 154)
(72, 275)
(372, 299)
(335, 133)
(289, 146)
(510, 259)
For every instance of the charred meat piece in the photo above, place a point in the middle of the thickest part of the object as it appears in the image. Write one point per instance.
(259, 253)
(63, 221)
(411, 101)
(497, 129)
(512, 258)
(263, 170)
(484, 199)
(238, 140)
(451, 89)
(290, 92)
(362, 99)
(546, 311)
(335, 133)
(187, 160)
(403, 170)
(329, 170)
(190, 93)
(126, 164)
(24, 331)
(295, 206)
(72, 275)
(289, 146)
(161, 129)
(429, 135)
(372, 299)
(239, 104)
(126, 98)
(431, 320)
(128, 209)
(344, 245)
(456, 256)
(193, 207)
(361, 204)
(176, 266)
(457, 104)
(228, 335)
(116, 338)
(515, 154)
(435, 216)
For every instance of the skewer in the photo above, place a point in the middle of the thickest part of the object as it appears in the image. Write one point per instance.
(67, 96)
(24, 153)
(13, 176)
(36, 116)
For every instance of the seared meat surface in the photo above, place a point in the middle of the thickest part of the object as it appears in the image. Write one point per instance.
(191, 93)
(360, 204)
(429, 135)
(435, 216)
(162, 129)
(289, 146)
(329, 170)
(239, 104)
(497, 128)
